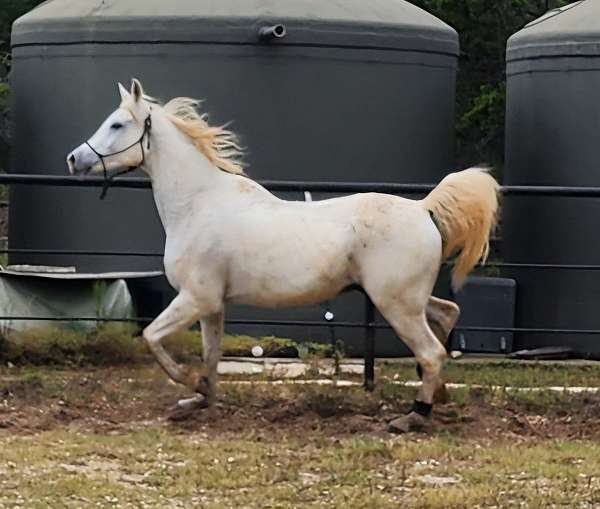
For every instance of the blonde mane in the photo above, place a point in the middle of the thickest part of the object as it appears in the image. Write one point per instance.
(217, 143)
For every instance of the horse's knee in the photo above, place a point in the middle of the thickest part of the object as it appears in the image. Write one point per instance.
(150, 338)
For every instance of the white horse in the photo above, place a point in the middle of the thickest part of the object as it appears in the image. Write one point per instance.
(230, 240)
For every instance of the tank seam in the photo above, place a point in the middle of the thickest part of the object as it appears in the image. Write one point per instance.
(234, 43)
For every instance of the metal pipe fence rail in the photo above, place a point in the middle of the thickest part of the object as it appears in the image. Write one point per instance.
(368, 324)
(297, 186)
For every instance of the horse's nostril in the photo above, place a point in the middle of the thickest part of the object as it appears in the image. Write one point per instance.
(71, 159)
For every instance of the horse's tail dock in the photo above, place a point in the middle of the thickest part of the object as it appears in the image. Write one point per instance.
(464, 207)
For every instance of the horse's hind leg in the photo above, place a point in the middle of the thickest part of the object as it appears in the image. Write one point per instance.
(409, 322)
(441, 317)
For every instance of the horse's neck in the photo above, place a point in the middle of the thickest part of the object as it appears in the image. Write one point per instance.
(179, 173)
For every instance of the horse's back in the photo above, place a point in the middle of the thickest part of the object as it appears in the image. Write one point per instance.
(293, 253)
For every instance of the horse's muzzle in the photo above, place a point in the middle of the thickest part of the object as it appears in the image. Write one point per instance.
(80, 161)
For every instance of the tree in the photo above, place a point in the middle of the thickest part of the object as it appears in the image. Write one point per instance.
(9, 11)
(484, 27)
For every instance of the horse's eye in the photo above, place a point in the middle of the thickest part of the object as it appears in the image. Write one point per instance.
(116, 125)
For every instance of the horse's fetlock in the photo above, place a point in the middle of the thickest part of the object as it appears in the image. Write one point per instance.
(198, 380)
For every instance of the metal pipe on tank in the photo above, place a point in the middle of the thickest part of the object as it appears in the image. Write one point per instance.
(268, 33)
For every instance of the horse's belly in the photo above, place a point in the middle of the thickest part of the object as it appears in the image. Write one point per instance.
(278, 297)
(291, 285)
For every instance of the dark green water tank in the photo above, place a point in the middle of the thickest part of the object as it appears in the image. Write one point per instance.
(355, 91)
(552, 126)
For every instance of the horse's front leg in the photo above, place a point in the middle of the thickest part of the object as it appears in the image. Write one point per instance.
(212, 332)
(179, 315)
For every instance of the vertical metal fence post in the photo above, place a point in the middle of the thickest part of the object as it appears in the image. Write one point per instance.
(369, 344)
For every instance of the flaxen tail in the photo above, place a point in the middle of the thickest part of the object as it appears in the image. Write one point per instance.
(465, 206)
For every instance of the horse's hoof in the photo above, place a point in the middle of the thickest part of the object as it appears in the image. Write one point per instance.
(407, 423)
(184, 408)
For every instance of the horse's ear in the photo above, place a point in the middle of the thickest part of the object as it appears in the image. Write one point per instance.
(123, 91)
(136, 90)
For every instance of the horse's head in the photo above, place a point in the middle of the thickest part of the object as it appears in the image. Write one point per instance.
(121, 142)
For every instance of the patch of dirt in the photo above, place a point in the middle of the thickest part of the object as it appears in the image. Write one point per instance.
(116, 400)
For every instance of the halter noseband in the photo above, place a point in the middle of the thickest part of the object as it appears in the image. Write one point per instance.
(109, 178)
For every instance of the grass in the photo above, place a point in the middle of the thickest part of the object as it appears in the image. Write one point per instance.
(114, 344)
(152, 467)
(95, 438)
(118, 344)
(505, 373)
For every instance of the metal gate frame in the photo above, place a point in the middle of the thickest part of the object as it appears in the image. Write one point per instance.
(368, 323)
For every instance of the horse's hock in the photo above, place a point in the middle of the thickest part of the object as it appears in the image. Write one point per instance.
(330, 91)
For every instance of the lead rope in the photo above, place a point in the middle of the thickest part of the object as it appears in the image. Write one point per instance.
(109, 178)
